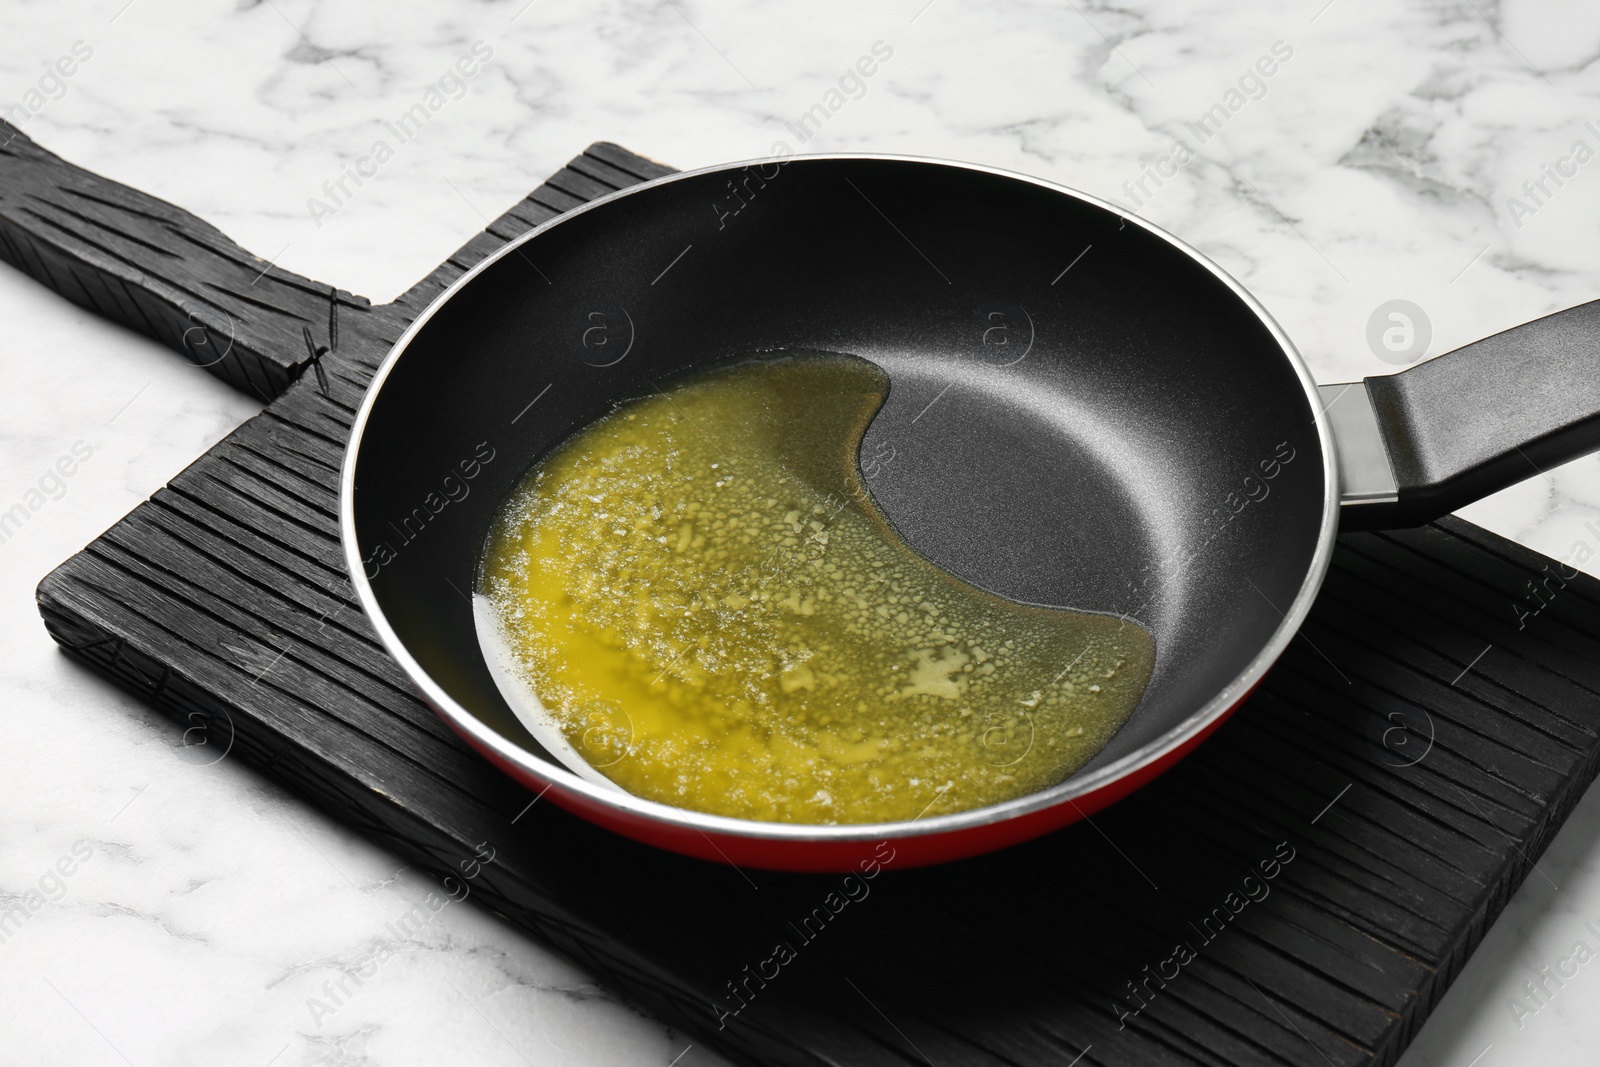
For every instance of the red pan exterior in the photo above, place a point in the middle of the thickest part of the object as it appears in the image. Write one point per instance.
(825, 856)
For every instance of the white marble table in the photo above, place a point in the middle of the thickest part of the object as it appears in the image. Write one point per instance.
(1376, 163)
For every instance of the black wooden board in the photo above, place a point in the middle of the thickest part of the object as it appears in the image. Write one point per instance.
(1327, 862)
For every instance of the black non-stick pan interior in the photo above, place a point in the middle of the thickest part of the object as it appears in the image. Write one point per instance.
(1123, 436)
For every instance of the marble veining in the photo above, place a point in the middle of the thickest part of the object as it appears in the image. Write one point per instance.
(1395, 152)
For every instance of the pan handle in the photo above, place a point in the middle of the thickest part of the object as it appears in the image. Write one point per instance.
(1419, 444)
(159, 270)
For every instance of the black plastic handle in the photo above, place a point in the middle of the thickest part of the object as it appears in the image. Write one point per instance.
(159, 270)
(1489, 415)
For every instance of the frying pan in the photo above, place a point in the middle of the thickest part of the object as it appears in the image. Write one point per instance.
(1083, 412)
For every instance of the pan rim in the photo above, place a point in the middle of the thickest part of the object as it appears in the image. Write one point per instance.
(1074, 788)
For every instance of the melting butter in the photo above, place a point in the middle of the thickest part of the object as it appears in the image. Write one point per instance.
(697, 591)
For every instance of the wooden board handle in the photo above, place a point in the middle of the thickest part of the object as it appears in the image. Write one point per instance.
(158, 269)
